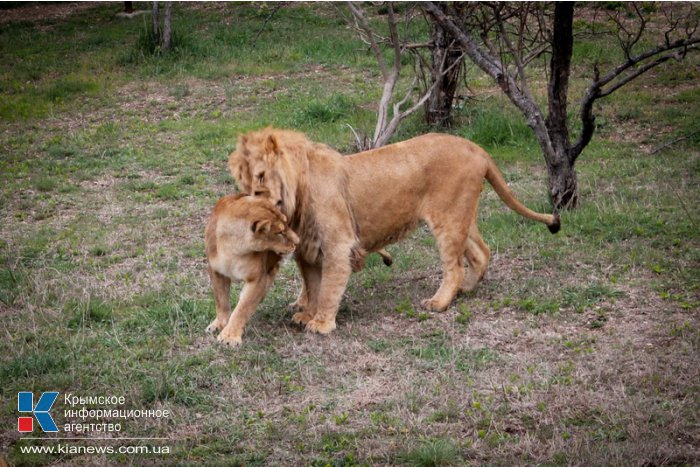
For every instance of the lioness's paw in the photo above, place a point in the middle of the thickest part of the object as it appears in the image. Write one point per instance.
(319, 326)
(297, 306)
(231, 341)
(215, 326)
(302, 318)
(433, 305)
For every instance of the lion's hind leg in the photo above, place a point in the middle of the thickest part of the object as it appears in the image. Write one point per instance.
(478, 254)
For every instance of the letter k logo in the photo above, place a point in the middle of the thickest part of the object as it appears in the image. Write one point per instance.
(25, 403)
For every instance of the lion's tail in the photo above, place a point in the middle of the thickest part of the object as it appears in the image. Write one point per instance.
(493, 175)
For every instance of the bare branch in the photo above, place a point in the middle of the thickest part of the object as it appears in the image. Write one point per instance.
(514, 53)
(364, 26)
(386, 126)
(639, 71)
(633, 61)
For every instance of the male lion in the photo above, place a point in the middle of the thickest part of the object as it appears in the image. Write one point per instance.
(245, 238)
(344, 207)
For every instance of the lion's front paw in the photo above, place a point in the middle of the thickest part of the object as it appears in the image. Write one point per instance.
(320, 326)
(215, 326)
(434, 305)
(302, 318)
(231, 341)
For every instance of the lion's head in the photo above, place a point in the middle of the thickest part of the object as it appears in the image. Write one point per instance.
(271, 163)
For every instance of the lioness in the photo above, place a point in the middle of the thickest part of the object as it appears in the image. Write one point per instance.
(344, 207)
(245, 240)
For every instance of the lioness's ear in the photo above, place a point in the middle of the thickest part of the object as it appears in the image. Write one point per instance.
(261, 226)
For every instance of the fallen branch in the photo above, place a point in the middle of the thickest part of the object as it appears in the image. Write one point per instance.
(677, 140)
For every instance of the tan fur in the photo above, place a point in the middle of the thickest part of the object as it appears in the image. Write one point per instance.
(344, 207)
(245, 240)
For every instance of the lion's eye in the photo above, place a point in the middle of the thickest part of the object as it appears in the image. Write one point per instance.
(261, 177)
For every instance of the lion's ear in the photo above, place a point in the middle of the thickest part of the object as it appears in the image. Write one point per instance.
(271, 145)
(261, 226)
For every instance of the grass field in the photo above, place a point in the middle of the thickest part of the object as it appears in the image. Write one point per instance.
(577, 349)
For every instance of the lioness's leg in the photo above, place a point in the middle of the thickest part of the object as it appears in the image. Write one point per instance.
(222, 289)
(252, 294)
(477, 253)
(311, 280)
(335, 274)
(451, 230)
(452, 258)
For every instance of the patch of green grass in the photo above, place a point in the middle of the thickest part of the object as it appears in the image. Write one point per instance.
(12, 282)
(405, 308)
(464, 316)
(94, 311)
(538, 305)
(45, 184)
(433, 453)
(334, 109)
(33, 365)
(489, 126)
(583, 297)
(472, 360)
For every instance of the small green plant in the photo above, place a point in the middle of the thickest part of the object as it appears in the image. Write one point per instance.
(45, 184)
(405, 308)
(538, 306)
(94, 311)
(434, 453)
(341, 419)
(465, 315)
(99, 250)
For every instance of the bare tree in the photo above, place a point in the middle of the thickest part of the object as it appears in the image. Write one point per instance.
(438, 107)
(504, 38)
(391, 110)
(162, 36)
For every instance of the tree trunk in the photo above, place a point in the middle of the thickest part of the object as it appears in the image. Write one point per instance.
(155, 19)
(563, 188)
(561, 160)
(438, 108)
(167, 28)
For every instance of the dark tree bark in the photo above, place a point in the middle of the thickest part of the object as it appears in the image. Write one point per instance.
(438, 108)
(560, 163)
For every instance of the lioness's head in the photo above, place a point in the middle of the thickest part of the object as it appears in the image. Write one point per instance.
(268, 229)
(267, 164)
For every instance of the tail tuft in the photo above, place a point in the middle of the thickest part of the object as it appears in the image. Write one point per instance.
(555, 225)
